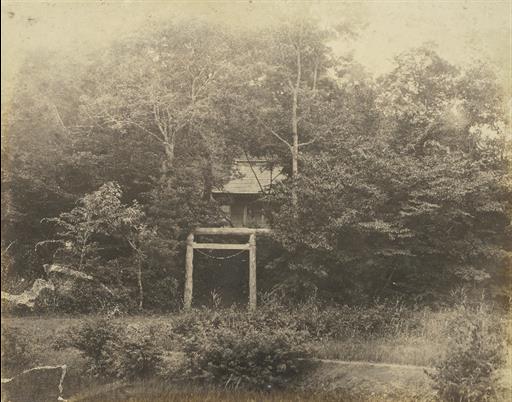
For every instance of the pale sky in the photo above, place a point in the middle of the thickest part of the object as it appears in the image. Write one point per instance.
(462, 29)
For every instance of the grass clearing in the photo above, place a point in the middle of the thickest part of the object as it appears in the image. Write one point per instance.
(418, 341)
(407, 350)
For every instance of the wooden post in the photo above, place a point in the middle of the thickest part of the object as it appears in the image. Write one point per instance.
(244, 218)
(252, 272)
(231, 231)
(189, 281)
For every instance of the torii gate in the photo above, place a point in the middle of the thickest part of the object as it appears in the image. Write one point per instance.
(250, 246)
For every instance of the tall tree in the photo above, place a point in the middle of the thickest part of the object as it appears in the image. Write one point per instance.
(163, 86)
(426, 100)
(288, 84)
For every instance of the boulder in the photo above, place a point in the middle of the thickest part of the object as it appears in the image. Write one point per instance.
(37, 384)
(75, 290)
(61, 271)
(64, 285)
(29, 298)
(65, 278)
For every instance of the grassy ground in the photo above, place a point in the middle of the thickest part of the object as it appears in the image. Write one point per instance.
(423, 345)
(418, 346)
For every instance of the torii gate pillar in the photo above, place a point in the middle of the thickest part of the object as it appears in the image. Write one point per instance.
(252, 272)
(189, 267)
(250, 246)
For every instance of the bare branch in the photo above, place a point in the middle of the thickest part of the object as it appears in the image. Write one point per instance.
(254, 173)
(156, 114)
(307, 142)
(59, 118)
(273, 132)
(290, 85)
(130, 121)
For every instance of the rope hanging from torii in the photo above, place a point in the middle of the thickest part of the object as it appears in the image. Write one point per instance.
(214, 257)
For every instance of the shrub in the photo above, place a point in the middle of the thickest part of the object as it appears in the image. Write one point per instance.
(137, 358)
(95, 339)
(241, 350)
(468, 371)
(191, 322)
(115, 352)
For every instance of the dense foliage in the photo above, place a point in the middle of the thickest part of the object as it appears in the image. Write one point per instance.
(397, 186)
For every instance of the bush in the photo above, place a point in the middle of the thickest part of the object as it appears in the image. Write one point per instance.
(95, 339)
(468, 371)
(242, 350)
(137, 358)
(114, 352)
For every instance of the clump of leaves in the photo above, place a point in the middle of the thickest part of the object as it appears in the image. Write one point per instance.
(114, 352)
(102, 222)
(137, 358)
(94, 339)
(241, 350)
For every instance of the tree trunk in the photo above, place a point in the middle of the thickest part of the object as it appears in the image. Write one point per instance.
(315, 77)
(168, 160)
(295, 153)
(208, 178)
(295, 135)
(83, 249)
(139, 282)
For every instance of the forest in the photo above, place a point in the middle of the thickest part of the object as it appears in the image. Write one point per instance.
(391, 223)
(397, 186)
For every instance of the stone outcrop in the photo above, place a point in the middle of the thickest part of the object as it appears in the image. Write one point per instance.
(65, 280)
(62, 282)
(28, 299)
(57, 270)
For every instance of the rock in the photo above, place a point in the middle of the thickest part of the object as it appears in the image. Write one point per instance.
(35, 385)
(27, 300)
(60, 271)
(74, 288)
(65, 278)
(63, 283)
